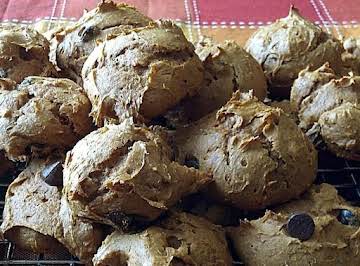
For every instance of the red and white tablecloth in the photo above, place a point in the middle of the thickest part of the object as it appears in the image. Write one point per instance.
(222, 19)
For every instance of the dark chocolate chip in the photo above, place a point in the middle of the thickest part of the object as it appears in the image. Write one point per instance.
(127, 222)
(87, 33)
(192, 161)
(25, 54)
(348, 218)
(300, 226)
(3, 73)
(53, 174)
(173, 242)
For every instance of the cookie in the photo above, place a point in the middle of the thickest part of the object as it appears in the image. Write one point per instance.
(41, 115)
(123, 175)
(326, 107)
(329, 223)
(37, 217)
(23, 52)
(257, 154)
(70, 46)
(181, 239)
(141, 74)
(228, 68)
(289, 45)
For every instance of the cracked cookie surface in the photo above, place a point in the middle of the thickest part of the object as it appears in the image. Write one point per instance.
(141, 74)
(257, 154)
(125, 173)
(327, 108)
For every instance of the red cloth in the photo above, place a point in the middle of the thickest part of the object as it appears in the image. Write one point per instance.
(227, 12)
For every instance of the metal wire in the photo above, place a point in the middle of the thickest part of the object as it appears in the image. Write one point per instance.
(343, 174)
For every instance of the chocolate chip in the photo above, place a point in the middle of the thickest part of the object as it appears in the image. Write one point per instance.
(192, 161)
(53, 174)
(173, 242)
(25, 54)
(348, 218)
(87, 33)
(127, 222)
(3, 73)
(300, 226)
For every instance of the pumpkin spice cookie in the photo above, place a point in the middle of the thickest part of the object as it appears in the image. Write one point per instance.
(41, 115)
(289, 45)
(23, 52)
(257, 154)
(38, 218)
(181, 239)
(328, 110)
(71, 45)
(141, 74)
(318, 229)
(124, 175)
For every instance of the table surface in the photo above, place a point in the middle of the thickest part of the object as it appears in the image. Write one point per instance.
(221, 19)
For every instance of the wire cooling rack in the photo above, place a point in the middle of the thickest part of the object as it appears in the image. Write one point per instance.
(343, 174)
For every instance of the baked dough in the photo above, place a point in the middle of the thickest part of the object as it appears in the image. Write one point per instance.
(71, 45)
(228, 68)
(23, 52)
(125, 172)
(141, 74)
(181, 239)
(257, 154)
(352, 55)
(327, 108)
(289, 45)
(265, 241)
(286, 107)
(41, 115)
(38, 218)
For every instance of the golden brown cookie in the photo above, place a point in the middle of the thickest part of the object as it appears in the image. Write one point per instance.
(181, 239)
(38, 218)
(257, 154)
(71, 46)
(289, 45)
(41, 115)
(335, 240)
(141, 74)
(23, 52)
(228, 68)
(327, 109)
(122, 173)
